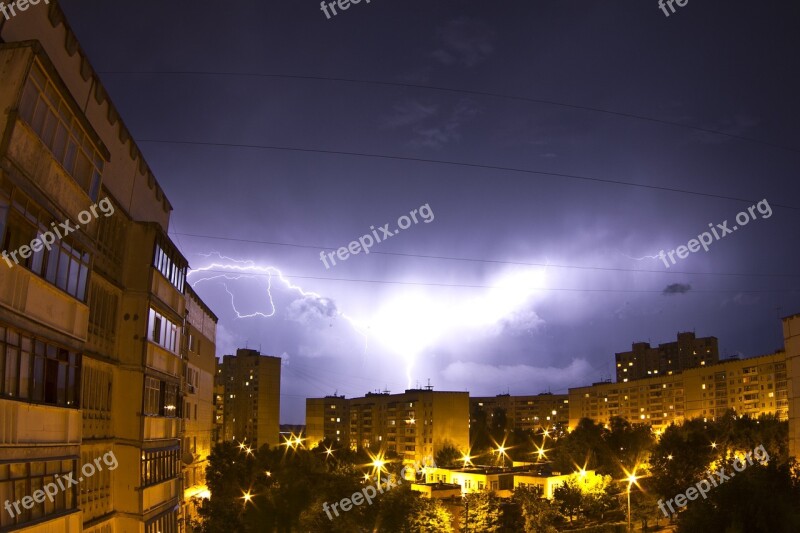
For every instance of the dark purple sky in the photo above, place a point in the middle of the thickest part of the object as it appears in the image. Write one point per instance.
(502, 326)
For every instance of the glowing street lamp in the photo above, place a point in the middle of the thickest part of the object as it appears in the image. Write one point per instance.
(467, 459)
(501, 453)
(631, 479)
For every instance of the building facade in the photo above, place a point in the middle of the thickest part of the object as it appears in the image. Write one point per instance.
(415, 424)
(199, 410)
(752, 386)
(327, 418)
(252, 384)
(533, 412)
(644, 361)
(791, 335)
(92, 304)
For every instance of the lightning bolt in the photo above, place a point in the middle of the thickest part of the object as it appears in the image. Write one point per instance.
(250, 270)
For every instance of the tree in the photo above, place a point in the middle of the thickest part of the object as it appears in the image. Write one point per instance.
(483, 512)
(538, 514)
(759, 499)
(569, 497)
(222, 512)
(430, 516)
(448, 456)
(599, 495)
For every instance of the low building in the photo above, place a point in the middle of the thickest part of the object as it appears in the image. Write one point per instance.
(437, 490)
(545, 483)
(473, 479)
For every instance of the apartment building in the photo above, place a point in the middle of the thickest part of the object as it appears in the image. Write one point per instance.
(415, 424)
(533, 412)
(327, 418)
(219, 404)
(199, 407)
(688, 351)
(252, 397)
(92, 327)
(749, 386)
(791, 336)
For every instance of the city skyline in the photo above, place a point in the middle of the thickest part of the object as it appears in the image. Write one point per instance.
(519, 266)
(505, 100)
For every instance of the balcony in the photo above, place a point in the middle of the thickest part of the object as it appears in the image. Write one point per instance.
(28, 294)
(30, 154)
(24, 423)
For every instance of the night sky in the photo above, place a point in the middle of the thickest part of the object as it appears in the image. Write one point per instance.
(526, 279)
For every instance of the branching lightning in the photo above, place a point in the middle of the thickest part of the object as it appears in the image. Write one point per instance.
(250, 270)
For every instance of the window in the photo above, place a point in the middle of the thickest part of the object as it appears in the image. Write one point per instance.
(160, 465)
(163, 523)
(18, 480)
(161, 398)
(152, 396)
(102, 312)
(65, 264)
(163, 332)
(50, 117)
(96, 398)
(38, 371)
(170, 263)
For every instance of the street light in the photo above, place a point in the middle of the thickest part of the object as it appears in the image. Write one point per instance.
(501, 452)
(631, 480)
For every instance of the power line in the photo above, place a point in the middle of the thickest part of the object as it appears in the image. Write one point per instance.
(456, 163)
(463, 91)
(468, 286)
(491, 261)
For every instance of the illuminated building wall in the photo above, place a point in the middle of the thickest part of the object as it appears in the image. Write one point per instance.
(92, 338)
(791, 335)
(643, 361)
(415, 424)
(750, 386)
(252, 397)
(327, 417)
(532, 412)
(199, 410)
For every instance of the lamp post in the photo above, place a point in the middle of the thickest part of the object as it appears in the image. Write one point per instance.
(631, 480)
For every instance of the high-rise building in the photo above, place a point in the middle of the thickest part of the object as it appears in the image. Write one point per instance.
(791, 335)
(749, 386)
(327, 418)
(644, 361)
(199, 410)
(92, 304)
(415, 424)
(531, 412)
(252, 401)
